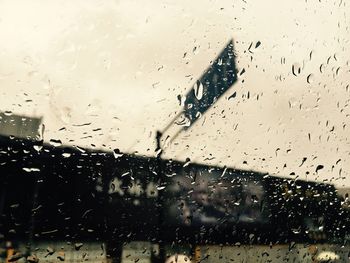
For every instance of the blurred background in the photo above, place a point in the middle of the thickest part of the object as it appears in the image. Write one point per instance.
(97, 79)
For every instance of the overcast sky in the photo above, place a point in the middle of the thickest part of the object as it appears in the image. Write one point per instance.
(119, 66)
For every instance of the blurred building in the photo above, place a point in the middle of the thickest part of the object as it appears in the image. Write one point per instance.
(20, 126)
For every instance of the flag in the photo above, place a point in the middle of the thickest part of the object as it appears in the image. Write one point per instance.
(217, 79)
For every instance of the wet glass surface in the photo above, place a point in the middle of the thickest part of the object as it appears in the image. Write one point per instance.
(174, 131)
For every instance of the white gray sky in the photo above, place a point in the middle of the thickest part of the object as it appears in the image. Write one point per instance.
(120, 65)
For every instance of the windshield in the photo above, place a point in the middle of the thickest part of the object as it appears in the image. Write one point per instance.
(163, 131)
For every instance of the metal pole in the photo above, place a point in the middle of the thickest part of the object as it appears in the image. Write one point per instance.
(159, 152)
(38, 180)
(160, 199)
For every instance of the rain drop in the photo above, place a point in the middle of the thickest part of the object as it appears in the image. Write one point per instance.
(184, 121)
(188, 161)
(66, 155)
(322, 68)
(37, 147)
(160, 187)
(29, 170)
(257, 44)
(319, 167)
(55, 143)
(242, 72)
(232, 96)
(310, 55)
(61, 256)
(77, 246)
(32, 259)
(49, 251)
(117, 154)
(337, 71)
(198, 90)
(8, 113)
(296, 69)
(310, 78)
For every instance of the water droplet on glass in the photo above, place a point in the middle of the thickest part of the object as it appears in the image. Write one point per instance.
(49, 251)
(82, 150)
(224, 171)
(296, 69)
(322, 68)
(158, 152)
(198, 115)
(232, 96)
(77, 246)
(257, 44)
(60, 256)
(55, 143)
(310, 78)
(33, 259)
(37, 147)
(188, 161)
(66, 155)
(310, 55)
(29, 170)
(319, 167)
(184, 121)
(198, 90)
(117, 154)
(181, 99)
(8, 113)
(296, 231)
(160, 187)
(195, 50)
(337, 71)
